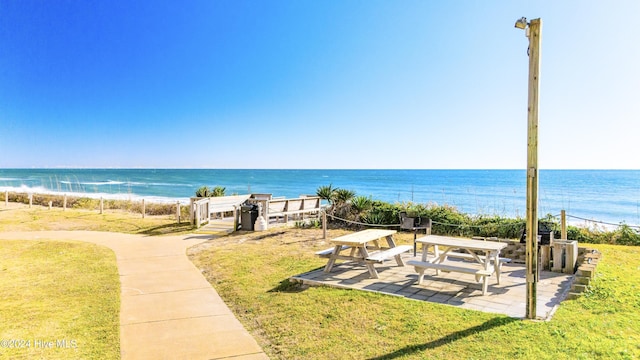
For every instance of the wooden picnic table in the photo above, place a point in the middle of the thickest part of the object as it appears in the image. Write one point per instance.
(358, 245)
(482, 265)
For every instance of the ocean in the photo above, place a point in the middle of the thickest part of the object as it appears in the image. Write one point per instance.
(611, 196)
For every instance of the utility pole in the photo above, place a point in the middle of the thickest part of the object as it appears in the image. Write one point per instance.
(533, 31)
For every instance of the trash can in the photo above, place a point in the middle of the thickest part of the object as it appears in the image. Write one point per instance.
(248, 216)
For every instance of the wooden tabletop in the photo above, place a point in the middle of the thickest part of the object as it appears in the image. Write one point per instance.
(361, 237)
(462, 243)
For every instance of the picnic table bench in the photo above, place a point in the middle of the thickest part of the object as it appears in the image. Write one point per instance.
(356, 244)
(482, 266)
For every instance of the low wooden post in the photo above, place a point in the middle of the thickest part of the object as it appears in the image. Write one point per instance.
(101, 206)
(30, 200)
(563, 224)
(64, 202)
(50, 204)
(143, 209)
(178, 211)
(6, 198)
(235, 218)
(324, 225)
(191, 212)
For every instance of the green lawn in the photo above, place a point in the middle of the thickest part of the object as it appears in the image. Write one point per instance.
(60, 300)
(250, 272)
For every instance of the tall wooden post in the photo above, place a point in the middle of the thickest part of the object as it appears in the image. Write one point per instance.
(534, 34)
(144, 210)
(101, 206)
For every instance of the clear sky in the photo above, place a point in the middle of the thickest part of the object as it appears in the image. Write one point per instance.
(315, 84)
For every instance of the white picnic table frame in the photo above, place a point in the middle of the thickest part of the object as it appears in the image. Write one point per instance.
(356, 244)
(483, 266)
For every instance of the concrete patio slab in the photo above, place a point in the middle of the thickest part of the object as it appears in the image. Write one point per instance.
(455, 289)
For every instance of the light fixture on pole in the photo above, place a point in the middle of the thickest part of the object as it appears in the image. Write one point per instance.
(533, 31)
(522, 23)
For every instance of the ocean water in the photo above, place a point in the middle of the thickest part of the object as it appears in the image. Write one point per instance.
(603, 195)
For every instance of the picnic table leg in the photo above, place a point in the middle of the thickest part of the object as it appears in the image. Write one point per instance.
(365, 254)
(420, 276)
(437, 254)
(485, 284)
(498, 265)
(332, 258)
(487, 264)
(392, 244)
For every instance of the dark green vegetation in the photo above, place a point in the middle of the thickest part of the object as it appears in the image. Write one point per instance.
(447, 220)
(205, 191)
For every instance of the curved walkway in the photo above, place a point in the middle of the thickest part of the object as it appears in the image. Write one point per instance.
(168, 310)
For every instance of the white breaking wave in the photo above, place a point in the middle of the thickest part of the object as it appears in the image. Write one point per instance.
(96, 195)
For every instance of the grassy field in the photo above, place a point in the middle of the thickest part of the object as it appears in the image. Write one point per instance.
(48, 289)
(60, 300)
(250, 272)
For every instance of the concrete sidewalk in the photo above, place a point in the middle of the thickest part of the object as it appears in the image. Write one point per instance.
(168, 310)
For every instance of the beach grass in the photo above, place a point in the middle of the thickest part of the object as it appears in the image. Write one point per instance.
(60, 300)
(251, 271)
(21, 217)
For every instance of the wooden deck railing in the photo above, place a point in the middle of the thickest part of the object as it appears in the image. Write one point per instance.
(284, 208)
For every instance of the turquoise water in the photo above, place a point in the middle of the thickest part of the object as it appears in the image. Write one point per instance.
(603, 195)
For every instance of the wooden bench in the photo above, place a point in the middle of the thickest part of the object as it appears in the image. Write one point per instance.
(381, 256)
(286, 207)
(326, 253)
(421, 266)
(470, 257)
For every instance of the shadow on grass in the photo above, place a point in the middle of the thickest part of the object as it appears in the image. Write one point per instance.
(168, 229)
(413, 349)
(288, 286)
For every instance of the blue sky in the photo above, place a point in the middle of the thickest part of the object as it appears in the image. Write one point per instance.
(315, 84)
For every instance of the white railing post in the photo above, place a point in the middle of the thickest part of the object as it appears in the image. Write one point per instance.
(178, 211)
(64, 202)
